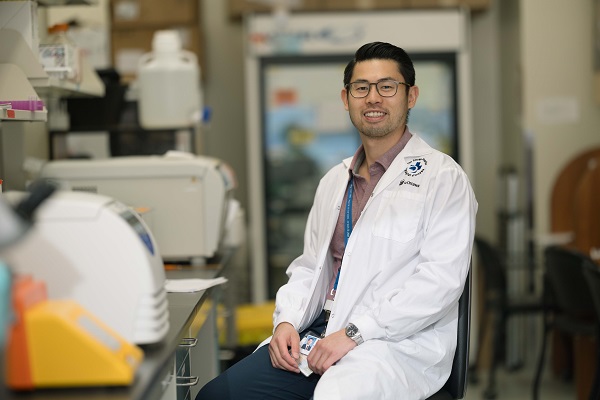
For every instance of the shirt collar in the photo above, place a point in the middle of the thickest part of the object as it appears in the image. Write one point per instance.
(386, 159)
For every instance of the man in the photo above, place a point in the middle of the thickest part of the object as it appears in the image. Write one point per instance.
(308, 344)
(386, 254)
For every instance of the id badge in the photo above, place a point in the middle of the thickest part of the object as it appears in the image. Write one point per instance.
(306, 345)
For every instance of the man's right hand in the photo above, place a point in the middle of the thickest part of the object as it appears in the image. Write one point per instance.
(285, 340)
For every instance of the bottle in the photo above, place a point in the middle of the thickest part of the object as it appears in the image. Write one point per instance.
(169, 84)
(60, 55)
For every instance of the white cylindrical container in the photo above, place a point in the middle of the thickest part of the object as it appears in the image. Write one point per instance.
(169, 84)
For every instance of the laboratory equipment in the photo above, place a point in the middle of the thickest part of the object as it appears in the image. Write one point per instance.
(30, 105)
(59, 55)
(57, 343)
(15, 224)
(98, 252)
(186, 197)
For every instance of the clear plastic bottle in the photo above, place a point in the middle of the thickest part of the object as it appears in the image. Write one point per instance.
(59, 54)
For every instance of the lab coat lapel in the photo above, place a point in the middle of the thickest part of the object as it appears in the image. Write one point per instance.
(415, 148)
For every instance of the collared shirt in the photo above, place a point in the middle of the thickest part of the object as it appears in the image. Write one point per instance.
(362, 192)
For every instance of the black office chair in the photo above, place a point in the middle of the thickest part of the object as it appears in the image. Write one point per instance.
(456, 385)
(591, 273)
(497, 303)
(573, 312)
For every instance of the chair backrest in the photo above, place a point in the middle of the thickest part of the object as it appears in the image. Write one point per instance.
(591, 272)
(456, 385)
(564, 270)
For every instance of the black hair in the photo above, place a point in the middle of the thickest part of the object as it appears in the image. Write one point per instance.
(382, 51)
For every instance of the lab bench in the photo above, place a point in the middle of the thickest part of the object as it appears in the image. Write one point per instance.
(176, 367)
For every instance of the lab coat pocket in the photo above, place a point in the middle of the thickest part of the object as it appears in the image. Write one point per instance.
(399, 215)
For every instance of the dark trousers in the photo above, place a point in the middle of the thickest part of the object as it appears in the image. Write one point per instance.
(255, 378)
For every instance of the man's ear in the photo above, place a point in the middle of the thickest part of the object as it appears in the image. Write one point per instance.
(413, 94)
(344, 95)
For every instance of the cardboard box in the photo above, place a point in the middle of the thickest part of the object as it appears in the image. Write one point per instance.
(93, 42)
(354, 5)
(128, 14)
(469, 4)
(237, 8)
(473, 5)
(129, 45)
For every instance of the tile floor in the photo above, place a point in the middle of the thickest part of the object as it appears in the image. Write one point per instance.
(517, 385)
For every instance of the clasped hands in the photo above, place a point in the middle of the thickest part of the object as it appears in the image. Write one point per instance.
(284, 349)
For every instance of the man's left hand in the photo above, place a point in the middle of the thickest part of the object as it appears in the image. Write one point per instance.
(329, 350)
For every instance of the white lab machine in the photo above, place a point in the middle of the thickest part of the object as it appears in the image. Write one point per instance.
(183, 198)
(98, 252)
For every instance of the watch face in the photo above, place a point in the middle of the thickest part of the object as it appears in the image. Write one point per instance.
(351, 330)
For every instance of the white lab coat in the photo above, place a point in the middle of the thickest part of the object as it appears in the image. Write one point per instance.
(402, 274)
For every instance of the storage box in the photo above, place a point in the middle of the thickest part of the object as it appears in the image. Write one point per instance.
(473, 5)
(343, 5)
(148, 13)
(237, 8)
(400, 4)
(129, 45)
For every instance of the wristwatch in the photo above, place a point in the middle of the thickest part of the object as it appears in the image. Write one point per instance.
(353, 333)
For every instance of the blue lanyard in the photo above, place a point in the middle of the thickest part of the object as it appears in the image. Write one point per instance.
(347, 224)
(348, 217)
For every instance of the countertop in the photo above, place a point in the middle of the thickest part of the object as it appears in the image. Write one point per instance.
(158, 357)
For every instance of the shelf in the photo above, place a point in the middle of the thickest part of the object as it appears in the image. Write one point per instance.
(14, 50)
(14, 85)
(91, 85)
(23, 115)
(51, 3)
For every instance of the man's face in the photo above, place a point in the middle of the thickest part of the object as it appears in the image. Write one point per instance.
(376, 116)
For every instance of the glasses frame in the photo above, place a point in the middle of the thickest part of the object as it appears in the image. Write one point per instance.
(348, 86)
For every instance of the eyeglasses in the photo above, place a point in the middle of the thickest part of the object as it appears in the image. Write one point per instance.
(385, 88)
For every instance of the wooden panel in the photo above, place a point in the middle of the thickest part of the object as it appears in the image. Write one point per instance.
(574, 201)
(586, 207)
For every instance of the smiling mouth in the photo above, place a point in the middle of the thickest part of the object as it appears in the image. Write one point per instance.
(374, 114)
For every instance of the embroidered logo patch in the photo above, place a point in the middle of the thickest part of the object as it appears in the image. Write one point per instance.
(416, 167)
(403, 182)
